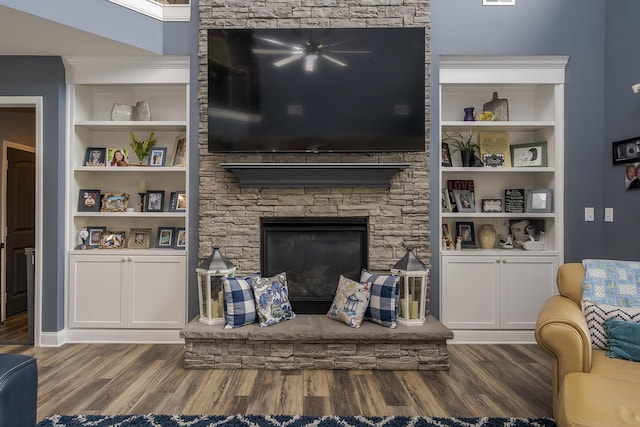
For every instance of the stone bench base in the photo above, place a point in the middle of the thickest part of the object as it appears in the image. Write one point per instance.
(317, 342)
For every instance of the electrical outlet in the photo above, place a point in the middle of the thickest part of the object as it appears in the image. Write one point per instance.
(608, 214)
(589, 214)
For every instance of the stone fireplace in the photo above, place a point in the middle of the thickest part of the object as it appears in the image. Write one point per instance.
(230, 214)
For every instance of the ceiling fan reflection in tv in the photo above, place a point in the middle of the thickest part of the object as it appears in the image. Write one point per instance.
(308, 49)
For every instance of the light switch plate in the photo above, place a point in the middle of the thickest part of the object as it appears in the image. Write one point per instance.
(608, 214)
(589, 214)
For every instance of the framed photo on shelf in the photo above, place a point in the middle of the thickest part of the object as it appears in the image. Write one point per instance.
(165, 237)
(181, 238)
(178, 201)
(95, 156)
(89, 201)
(114, 202)
(447, 239)
(467, 235)
(446, 155)
(464, 201)
(533, 154)
(494, 149)
(154, 201)
(139, 238)
(95, 234)
(180, 152)
(157, 156)
(117, 157)
(112, 240)
(539, 201)
(525, 229)
(492, 205)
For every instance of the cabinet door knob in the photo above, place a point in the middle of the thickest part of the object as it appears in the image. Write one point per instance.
(504, 260)
(130, 259)
(497, 260)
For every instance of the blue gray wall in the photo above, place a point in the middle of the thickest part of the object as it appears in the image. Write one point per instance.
(541, 27)
(546, 27)
(622, 118)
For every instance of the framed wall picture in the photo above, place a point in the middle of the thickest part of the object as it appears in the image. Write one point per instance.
(154, 201)
(112, 240)
(180, 152)
(464, 201)
(494, 149)
(539, 201)
(533, 154)
(181, 238)
(114, 202)
(165, 237)
(467, 235)
(89, 201)
(95, 156)
(157, 156)
(139, 238)
(95, 234)
(492, 205)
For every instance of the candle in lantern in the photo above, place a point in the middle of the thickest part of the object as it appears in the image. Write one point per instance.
(413, 310)
(401, 307)
(214, 310)
(142, 186)
(221, 304)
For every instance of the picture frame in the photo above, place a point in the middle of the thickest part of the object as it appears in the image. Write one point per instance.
(446, 155)
(139, 238)
(112, 240)
(465, 230)
(178, 201)
(525, 229)
(492, 205)
(154, 201)
(95, 235)
(165, 237)
(533, 154)
(494, 149)
(114, 202)
(180, 152)
(89, 200)
(95, 156)
(446, 201)
(117, 157)
(447, 238)
(539, 201)
(464, 200)
(626, 151)
(157, 156)
(181, 238)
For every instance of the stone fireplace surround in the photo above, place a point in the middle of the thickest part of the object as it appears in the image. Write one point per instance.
(229, 214)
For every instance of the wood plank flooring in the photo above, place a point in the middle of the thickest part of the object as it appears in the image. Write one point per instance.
(484, 380)
(15, 329)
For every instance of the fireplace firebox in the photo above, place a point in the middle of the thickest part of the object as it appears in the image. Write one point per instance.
(313, 252)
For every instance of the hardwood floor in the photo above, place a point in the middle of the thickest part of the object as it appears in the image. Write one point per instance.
(484, 380)
(15, 329)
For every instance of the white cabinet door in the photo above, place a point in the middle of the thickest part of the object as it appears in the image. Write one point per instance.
(96, 291)
(156, 293)
(526, 283)
(471, 292)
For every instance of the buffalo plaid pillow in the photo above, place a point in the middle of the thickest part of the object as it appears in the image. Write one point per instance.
(240, 304)
(383, 305)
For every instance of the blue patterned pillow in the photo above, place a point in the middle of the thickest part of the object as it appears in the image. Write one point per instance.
(596, 316)
(350, 302)
(272, 299)
(240, 305)
(383, 304)
(612, 282)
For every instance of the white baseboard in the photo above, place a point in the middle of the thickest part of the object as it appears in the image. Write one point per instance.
(492, 337)
(123, 336)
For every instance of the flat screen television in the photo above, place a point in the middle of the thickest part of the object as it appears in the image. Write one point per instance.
(316, 90)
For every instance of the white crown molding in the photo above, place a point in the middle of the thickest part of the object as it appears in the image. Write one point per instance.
(162, 12)
(127, 69)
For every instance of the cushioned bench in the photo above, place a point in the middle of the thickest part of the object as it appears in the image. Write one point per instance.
(18, 390)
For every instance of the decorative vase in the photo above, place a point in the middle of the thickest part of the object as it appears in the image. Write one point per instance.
(499, 107)
(487, 236)
(468, 114)
(468, 157)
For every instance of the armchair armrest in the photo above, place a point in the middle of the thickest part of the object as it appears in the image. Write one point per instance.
(561, 330)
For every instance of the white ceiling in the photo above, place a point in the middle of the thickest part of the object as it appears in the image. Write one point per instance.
(25, 34)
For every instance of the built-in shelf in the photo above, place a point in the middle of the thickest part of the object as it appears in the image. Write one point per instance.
(314, 174)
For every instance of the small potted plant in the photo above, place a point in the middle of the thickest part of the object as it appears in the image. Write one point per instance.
(142, 147)
(466, 143)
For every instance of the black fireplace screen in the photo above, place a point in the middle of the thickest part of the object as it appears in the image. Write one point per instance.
(313, 252)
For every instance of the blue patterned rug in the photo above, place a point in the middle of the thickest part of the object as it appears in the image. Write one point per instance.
(284, 421)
